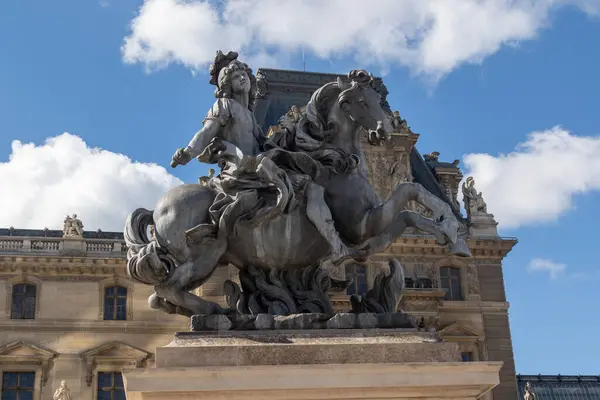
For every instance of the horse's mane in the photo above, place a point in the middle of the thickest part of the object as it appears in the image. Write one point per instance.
(312, 134)
(315, 129)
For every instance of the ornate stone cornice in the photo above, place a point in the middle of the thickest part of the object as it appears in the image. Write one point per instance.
(477, 306)
(423, 246)
(93, 326)
(72, 269)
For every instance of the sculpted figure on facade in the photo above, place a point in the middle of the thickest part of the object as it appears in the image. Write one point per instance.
(529, 395)
(474, 203)
(398, 122)
(63, 392)
(203, 180)
(280, 206)
(72, 226)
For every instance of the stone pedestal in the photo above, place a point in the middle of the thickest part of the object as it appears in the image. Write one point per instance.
(483, 225)
(310, 364)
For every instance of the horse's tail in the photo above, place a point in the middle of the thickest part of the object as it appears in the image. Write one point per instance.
(147, 262)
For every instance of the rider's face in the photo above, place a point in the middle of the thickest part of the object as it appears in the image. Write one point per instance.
(240, 83)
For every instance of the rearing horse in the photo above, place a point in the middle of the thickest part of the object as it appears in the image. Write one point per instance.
(337, 114)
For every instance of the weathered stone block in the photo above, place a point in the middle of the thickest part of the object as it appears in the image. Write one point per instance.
(210, 323)
(264, 322)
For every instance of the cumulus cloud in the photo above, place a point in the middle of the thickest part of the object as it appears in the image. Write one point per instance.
(431, 37)
(42, 183)
(554, 269)
(536, 183)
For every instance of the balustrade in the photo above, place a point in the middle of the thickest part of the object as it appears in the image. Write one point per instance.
(11, 244)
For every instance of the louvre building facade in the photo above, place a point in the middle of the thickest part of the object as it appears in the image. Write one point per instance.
(68, 311)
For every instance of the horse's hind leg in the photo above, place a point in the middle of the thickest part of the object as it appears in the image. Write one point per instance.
(380, 219)
(189, 275)
(413, 219)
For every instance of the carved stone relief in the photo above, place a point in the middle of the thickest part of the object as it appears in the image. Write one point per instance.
(472, 279)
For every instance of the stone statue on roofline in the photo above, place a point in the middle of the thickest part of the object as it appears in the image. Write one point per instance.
(72, 226)
(281, 206)
(473, 200)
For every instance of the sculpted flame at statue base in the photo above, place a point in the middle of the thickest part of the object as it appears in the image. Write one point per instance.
(285, 203)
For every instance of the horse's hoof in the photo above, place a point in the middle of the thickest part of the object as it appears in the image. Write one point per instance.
(460, 248)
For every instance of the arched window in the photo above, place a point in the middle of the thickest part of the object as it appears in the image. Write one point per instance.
(359, 283)
(115, 303)
(23, 301)
(450, 280)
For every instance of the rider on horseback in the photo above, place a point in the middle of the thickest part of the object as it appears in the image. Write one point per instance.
(232, 137)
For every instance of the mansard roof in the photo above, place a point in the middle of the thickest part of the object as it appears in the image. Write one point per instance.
(576, 387)
(284, 88)
(55, 233)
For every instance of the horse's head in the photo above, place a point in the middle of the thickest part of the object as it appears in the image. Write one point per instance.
(362, 105)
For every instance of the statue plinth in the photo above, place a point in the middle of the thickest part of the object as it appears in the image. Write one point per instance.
(483, 225)
(311, 364)
(72, 245)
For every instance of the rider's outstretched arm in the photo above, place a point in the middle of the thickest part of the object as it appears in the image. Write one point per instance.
(203, 137)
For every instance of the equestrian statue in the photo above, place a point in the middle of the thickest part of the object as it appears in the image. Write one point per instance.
(280, 206)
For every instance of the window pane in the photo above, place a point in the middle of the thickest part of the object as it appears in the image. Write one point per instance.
(121, 309)
(119, 394)
(456, 290)
(105, 380)
(9, 394)
(10, 380)
(122, 291)
(109, 291)
(102, 395)
(26, 395)
(30, 290)
(16, 309)
(118, 380)
(109, 311)
(27, 380)
(29, 308)
(19, 289)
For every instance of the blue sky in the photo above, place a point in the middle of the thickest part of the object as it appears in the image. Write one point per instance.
(474, 80)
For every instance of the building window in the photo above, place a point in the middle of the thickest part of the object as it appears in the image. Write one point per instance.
(115, 303)
(110, 386)
(18, 385)
(359, 283)
(450, 279)
(466, 357)
(23, 301)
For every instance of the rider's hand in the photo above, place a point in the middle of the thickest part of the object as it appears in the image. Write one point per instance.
(182, 156)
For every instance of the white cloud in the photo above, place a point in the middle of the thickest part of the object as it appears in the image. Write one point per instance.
(41, 184)
(429, 36)
(552, 268)
(536, 182)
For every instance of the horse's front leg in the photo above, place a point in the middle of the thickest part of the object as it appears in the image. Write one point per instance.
(380, 219)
